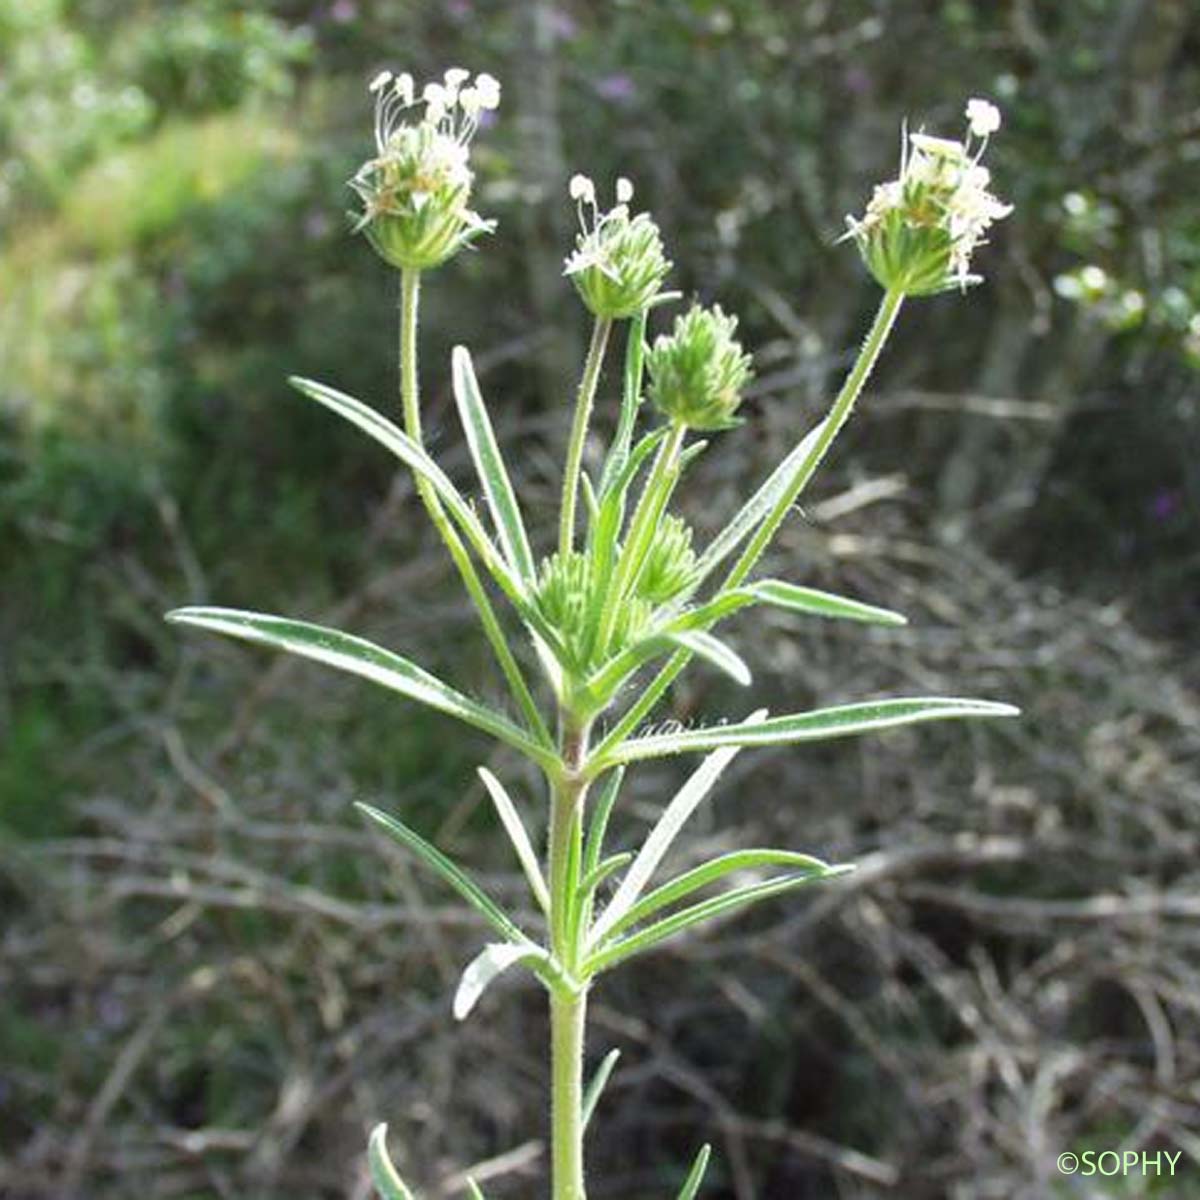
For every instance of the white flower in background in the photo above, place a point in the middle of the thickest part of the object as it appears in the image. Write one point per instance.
(618, 264)
(920, 230)
(416, 190)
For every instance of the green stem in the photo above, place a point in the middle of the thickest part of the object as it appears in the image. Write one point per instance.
(568, 999)
(843, 406)
(579, 429)
(410, 398)
(839, 413)
(568, 1014)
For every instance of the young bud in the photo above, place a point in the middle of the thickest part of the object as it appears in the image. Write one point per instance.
(670, 562)
(416, 192)
(920, 230)
(697, 374)
(618, 265)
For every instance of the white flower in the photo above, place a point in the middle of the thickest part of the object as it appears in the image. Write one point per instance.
(920, 230)
(983, 117)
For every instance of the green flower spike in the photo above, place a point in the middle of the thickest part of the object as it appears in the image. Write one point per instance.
(698, 373)
(618, 265)
(416, 192)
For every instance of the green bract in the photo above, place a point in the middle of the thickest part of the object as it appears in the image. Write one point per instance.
(623, 589)
(697, 374)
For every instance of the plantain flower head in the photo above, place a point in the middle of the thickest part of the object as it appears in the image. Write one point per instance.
(416, 191)
(921, 229)
(698, 372)
(618, 265)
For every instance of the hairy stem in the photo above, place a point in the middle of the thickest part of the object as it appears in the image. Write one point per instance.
(568, 1000)
(579, 429)
(410, 398)
(839, 413)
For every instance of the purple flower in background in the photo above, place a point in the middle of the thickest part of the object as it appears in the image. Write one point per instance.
(1165, 504)
(343, 12)
(617, 89)
(562, 25)
(460, 10)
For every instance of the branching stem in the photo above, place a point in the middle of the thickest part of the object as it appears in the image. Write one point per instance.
(839, 413)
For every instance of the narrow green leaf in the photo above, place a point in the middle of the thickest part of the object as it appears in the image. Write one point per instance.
(357, 656)
(631, 398)
(418, 461)
(474, 1192)
(842, 721)
(589, 498)
(636, 943)
(454, 875)
(713, 650)
(598, 1081)
(599, 823)
(658, 841)
(716, 869)
(489, 463)
(691, 1185)
(756, 508)
(384, 1176)
(821, 604)
(518, 835)
(602, 870)
(493, 960)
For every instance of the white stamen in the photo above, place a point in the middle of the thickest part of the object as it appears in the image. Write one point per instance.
(624, 190)
(488, 88)
(380, 81)
(581, 188)
(983, 117)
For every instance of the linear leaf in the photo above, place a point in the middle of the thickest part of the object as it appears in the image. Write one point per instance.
(691, 1185)
(756, 508)
(454, 875)
(592, 1096)
(474, 1191)
(636, 943)
(658, 841)
(713, 650)
(842, 721)
(489, 463)
(594, 878)
(357, 656)
(717, 869)
(384, 1176)
(517, 834)
(599, 823)
(631, 398)
(493, 960)
(418, 461)
(821, 604)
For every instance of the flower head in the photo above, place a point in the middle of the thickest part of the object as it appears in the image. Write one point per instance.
(618, 265)
(416, 191)
(921, 229)
(698, 372)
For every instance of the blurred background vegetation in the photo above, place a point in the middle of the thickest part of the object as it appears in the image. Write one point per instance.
(212, 981)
